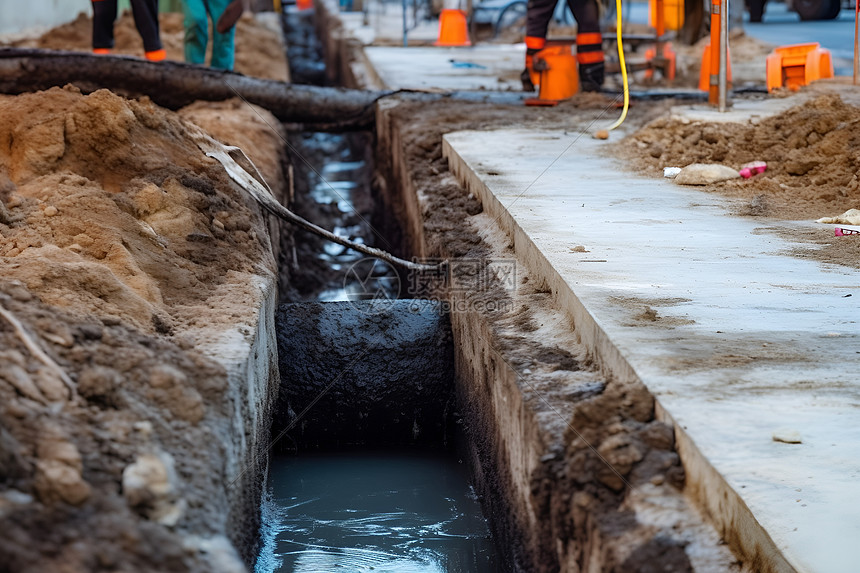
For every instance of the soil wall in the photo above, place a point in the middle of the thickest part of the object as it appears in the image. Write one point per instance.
(139, 441)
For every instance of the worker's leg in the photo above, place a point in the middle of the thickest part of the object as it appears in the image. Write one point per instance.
(146, 20)
(589, 44)
(196, 31)
(538, 15)
(223, 50)
(104, 15)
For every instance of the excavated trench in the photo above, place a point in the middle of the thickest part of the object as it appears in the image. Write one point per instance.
(570, 459)
(368, 469)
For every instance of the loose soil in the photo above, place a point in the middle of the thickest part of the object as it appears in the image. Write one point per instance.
(812, 157)
(123, 249)
(259, 49)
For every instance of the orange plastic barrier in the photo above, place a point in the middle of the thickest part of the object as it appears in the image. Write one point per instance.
(797, 65)
(453, 29)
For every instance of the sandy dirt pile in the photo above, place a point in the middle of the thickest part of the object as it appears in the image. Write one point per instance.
(259, 49)
(812, 153)
(122, 250)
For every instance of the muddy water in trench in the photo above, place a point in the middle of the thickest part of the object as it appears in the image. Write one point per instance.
(382, 511)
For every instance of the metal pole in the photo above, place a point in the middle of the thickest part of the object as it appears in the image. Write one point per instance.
(714, 48)
(856, 42)
(405, 41)
(724, 48)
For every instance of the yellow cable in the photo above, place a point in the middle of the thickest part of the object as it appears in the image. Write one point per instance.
(623, 65)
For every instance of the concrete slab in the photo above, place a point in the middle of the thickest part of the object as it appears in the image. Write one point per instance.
(382, 23)
(741, 110)
(484, 67)
(740, 342)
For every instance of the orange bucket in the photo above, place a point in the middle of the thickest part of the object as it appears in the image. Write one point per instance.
(559, 78)
(453, 29)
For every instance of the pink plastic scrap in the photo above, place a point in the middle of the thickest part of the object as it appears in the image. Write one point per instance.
(753, 168)
(845, 231)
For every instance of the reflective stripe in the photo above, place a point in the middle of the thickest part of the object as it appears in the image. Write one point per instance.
(589, 38)
(589, 57)
(535, 43)
(156, 55)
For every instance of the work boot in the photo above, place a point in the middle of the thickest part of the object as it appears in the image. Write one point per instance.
(526, 78)
(591, 76)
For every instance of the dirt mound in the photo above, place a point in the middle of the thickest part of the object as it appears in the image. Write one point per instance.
(112, 211)
(811, 150)
(122, 249)
(259, 49)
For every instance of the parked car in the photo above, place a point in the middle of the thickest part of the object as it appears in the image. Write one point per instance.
(806, 9)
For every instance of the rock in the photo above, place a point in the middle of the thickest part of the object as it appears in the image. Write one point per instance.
(149, 199)
(17, 290)
(149, 486)
(218, 552)
(60, 450)
(800, 166)
(787, 436)
(99, 384)
(175, 392)
(619, 453)
(51, 385)
(51, 211)
(56, 481)
(21, 381)
(601, 134)
(849, 217)
(166, 376)
(705, 174)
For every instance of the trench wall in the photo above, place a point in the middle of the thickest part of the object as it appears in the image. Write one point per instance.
(250, 362)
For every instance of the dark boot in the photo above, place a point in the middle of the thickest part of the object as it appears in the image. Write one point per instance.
(591, 77)
(526, 78)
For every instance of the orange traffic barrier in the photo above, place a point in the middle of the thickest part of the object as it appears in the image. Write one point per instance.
(304, 4)
(705, 72)
(559, 79)
(797, 65)
(453, 29)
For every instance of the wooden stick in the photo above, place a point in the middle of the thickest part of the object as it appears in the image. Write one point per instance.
(229, 157)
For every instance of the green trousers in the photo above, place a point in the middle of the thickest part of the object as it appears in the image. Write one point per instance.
(197, 33)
